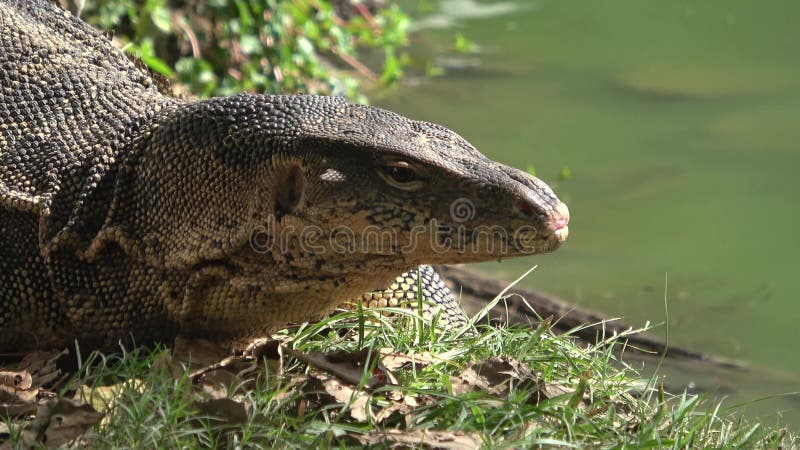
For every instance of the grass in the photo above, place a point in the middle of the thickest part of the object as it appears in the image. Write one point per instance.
(551, 391)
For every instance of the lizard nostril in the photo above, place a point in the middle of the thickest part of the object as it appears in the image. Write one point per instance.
(554, 219)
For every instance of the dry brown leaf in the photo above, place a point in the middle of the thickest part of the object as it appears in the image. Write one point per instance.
(238, 371)
(348, 366)
(292, 383)
(58, 422)
(549, 390)
(432, 439)
(219, 375)
(43, 368)
(459, 387)
(36, 361)
(397, 407)
(14, 381)
(552, 390)
(30, 395)
(219, 381)
(18, 395)
(358, 401)
(360, 406)
(205, 357)
(224, 409)
(14, 405)
(196, 353)
(394, 360)
(265, 348)
(494, 375)
(168, 365)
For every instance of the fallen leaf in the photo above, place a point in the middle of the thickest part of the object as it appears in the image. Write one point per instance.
(348, 366)
(216, 383)
(21, 380)
(196, 353)
(342, 393)
(58, 422)
(552, 390)
(168, 365)
(20, 403)
(432, 439)
(224, 409)
(207, 356)
(394, 360)
(43, 367)
(395, 408)
(291, 385)
(495, 375)
(265, 348)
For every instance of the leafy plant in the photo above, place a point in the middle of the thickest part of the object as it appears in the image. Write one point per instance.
(221, 47)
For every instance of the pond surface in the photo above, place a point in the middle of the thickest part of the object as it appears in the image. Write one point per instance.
(679, 124)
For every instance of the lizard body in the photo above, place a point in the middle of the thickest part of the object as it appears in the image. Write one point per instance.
(125, 212)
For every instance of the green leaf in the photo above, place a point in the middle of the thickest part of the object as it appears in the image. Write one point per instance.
(198, 74)
(160, 18)
(464, 45)
(250, 45)
(148, 56)
(392, 68)
(244, 13)
(305, 46)
(158, 65)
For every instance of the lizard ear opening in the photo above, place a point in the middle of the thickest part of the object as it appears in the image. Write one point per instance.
(289, 191)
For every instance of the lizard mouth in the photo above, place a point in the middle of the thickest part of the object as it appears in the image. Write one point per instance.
(561, 233)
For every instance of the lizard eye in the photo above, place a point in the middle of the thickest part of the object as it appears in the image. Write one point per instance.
(401, 175)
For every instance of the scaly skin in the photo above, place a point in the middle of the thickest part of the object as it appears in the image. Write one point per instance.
(128, 213)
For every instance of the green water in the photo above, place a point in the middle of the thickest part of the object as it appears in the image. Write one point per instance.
(679, 123)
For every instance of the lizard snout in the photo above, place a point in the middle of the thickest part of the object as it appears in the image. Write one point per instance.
(551, 212)
(559, 221)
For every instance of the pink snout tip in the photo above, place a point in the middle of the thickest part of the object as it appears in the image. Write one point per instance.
(559, 221)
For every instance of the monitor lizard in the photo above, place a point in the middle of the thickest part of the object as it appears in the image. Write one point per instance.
(128, 212)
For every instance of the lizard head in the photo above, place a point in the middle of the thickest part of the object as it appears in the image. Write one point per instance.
(316, 185)
(373, 184)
